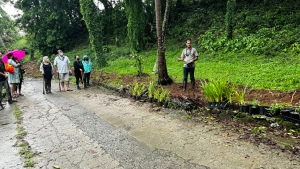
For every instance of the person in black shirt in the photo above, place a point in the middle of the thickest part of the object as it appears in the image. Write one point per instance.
(78, 69)
(3, 82)
(47, 70)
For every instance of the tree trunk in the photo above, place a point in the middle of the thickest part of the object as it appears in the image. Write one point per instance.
(163, 77)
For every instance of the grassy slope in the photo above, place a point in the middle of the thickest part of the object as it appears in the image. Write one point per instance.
(269, 29)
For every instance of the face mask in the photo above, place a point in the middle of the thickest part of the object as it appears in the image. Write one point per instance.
(61, 54)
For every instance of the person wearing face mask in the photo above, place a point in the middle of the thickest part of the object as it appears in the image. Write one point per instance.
(62, 66)
(87, 66)
(47, 70)
(78, 68)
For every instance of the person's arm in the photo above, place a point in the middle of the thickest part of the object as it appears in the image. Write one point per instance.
(181, 56)
(55, 64)
(196, 56)
(42, 68)
(3, 74)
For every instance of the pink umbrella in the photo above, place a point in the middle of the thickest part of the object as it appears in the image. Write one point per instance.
(19, 54)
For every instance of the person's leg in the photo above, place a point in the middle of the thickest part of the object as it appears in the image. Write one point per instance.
(62, 83)
(50, 85)
(77, 81)
(67, 79)
(192, 77)
(47, 85)
(20, 87)
(8, 92)
(185, 76)
(1, 84)
(12, 88)
(85, 80)
(88, 79)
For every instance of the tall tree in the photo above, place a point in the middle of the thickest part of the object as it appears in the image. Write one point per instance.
(163, 77)
(136, 24)
(51, 24)
(94, 19)
(8, 32)
(230, 14)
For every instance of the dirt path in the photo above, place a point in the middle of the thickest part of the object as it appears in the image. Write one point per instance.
(167, 130)
(85, 121)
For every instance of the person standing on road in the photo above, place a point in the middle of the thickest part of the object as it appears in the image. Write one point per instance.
(62, 66)
(87, 66)
(47, 70)
(189, 55)
(78, 70)
(13, 78)
(21, 75)
(4, 83)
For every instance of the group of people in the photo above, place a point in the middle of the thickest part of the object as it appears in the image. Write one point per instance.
(11, 80)
(61, 64)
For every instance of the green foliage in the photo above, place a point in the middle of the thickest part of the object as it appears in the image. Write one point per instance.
(135, 89)
(136, 24)
(230, 15)
(240, 96)
(141, 89)
(151, 89)
(215, 90)
(51, 25)
(95, 23)
(8, 32)
(138, 62)
(157, 93)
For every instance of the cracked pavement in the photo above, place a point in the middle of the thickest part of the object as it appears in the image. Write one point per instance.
(94, 129)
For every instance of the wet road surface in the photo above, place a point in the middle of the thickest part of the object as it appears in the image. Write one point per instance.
(93, 129)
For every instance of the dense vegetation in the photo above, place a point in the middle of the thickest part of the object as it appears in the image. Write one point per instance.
(263, 51)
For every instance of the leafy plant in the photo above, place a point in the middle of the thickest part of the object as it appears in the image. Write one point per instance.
(240, 96)
(229, 91)
(255, 103)
(157, 93)
(135, 89)
(208, 91)
(140, 89)
(162, 96)
(151, 89)
(274, 109)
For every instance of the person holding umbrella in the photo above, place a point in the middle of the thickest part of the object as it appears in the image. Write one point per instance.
(47, 70)
(13, 78)
(62, 66)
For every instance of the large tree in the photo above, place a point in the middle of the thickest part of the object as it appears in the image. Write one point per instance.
(51, 24)
(163, 77)
(8, 32)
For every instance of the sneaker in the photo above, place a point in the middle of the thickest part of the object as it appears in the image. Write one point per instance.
(78, 88)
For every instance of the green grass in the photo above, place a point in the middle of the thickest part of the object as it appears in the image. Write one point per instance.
(258, 72)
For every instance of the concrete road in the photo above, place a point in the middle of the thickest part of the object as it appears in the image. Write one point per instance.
(93, 129)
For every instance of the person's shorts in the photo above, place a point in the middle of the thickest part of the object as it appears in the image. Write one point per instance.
(64, 77)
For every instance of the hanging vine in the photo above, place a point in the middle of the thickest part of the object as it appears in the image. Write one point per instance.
(95, 23)
(230, 14)
(136, 24)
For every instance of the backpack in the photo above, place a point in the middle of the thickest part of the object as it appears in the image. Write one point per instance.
(9, 68)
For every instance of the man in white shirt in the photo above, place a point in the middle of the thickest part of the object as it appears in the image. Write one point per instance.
(189, 55)
(62, 66)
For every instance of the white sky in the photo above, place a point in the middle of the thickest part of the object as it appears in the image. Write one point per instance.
(10, 10)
